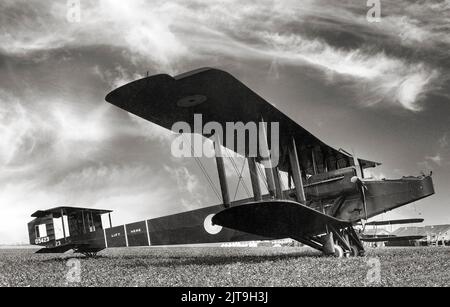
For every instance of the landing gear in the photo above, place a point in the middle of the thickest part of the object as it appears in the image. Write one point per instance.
(348, 239)
(337, 242)
(353, 251)
(332, 247)
(338, 251)
(342, 242)
(87, 251)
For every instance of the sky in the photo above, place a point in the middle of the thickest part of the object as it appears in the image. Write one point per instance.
(380, 89)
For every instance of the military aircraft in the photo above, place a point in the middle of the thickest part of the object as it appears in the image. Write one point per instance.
(326, 196)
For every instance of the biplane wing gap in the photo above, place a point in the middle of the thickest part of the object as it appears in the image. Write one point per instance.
(254, 178)
(219, 97)
(266, 159)
(296, 172)
(221, 172)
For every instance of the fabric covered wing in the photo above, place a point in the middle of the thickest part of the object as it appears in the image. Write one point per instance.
(394, 222)
(219, 97)
(391, 238)
(277, 219)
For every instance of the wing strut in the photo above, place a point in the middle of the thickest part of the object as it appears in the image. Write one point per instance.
(296, 172)
(279, 190)
(254, 179)
(222, 174)
(265, 153)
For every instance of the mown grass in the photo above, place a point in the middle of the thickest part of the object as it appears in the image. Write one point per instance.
(213, 266)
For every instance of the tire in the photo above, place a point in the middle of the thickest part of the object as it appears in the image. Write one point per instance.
(338, 251)
(354, 251)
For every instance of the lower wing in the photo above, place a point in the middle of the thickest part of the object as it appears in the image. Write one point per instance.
(390, 238)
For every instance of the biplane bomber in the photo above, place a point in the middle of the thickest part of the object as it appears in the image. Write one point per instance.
(326, 198)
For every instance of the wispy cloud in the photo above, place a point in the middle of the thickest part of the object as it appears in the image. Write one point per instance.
(142, 28)
(440, 160)
(437, 159)
(156, 33)
(443, 141)
(377, 76)
(189, 184)
(23, 134)
(29, 136)
(185, 180)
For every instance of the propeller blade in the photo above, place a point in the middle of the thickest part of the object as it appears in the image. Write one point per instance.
(362, 189)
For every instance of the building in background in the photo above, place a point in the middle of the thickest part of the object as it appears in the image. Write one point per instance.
(435, 235)
(376, 232)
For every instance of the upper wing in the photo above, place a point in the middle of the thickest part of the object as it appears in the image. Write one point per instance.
(219, 97)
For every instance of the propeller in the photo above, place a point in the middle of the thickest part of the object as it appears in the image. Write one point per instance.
(362, 189)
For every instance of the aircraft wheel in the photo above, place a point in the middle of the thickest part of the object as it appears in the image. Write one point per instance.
(354, 252)
(338, 251)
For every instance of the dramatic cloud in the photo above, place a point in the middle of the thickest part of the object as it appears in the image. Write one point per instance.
(167, 34)
(17, 129)
(383, 78)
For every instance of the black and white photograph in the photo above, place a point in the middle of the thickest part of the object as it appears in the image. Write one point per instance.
(209, 146)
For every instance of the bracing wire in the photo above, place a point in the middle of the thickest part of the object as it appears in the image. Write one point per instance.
(240, 177)
(203, 169)
(261, 173)
(281, 180)
(211, 183)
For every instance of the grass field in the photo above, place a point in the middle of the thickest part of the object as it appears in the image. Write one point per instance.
(207, 266)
